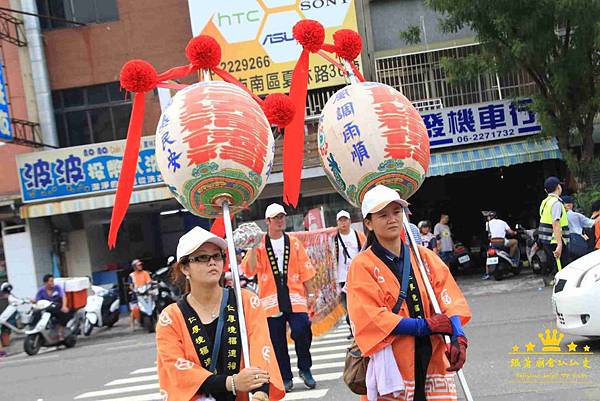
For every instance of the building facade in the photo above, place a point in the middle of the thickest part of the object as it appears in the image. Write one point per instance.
(59, 217)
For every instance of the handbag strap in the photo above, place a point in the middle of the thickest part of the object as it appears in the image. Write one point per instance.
(405, 277)
(219, 333)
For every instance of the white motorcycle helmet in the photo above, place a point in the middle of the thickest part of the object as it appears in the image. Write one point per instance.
(6, 288)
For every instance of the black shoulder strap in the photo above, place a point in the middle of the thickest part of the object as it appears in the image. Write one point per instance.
(344, 249)
(404, 279)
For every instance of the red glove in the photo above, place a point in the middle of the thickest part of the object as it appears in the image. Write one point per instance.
(439, 324)
(456, 352)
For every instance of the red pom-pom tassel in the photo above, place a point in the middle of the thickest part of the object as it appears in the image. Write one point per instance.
(138, 76)
(348, 44)
(204, 52)
(310, 34)
(279, 109)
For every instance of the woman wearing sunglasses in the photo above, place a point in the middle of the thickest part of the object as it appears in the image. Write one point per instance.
(198, 339)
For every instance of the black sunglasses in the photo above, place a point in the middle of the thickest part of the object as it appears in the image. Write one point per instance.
(217, 257)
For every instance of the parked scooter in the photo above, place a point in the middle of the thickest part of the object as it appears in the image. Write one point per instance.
(535, 253)
(16, 316)
(146, 298)
(101, 309)
(44, 329)
(499, 261)
(462, 258)
(166, 291)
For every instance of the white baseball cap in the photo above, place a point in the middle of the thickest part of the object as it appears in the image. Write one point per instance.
(194, 239)
(273, 210)
(379, 197)
(342, 213)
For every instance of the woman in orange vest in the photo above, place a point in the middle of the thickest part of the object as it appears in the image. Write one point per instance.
(389, 305)
(198, 338)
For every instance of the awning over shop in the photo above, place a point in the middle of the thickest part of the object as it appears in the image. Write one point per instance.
(491, 156)
(91, 203)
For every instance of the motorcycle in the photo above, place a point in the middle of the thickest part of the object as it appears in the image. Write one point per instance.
(535, 254)
(146, 298)
(499, 261)
(167, 293)
(15, 317)
(462, 258)
(101, 309)
(43, 330)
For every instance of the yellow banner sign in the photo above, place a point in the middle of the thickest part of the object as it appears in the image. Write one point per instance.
(257, 42)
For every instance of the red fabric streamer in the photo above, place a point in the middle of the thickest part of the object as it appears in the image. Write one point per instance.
(177, 72)
(218, 227)
(293, 140)
(129, 167)
(356, 71)
(332, 61)
(170, 85)
(232, 80)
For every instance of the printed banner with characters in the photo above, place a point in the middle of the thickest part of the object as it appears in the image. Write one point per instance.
(80, 170)
(327, 310)
(256, 37)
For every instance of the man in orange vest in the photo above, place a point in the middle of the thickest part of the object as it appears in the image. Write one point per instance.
(286, 291)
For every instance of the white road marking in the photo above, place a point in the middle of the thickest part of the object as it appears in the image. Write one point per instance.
(131, 346)
(327, 357)
(321, 366)
(321, 378)
(102, 393)
(298, 395)
(34, 358)
(315, 345)
(143, 371)
(131, 380)
(329, 349)
(143, 397)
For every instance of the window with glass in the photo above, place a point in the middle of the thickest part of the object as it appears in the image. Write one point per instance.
(86, 11)
(91, 114)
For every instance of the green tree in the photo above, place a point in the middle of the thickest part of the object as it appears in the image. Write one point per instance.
(557, 42)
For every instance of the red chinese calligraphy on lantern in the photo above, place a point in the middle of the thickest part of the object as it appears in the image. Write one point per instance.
(401, 125)
(230, 126)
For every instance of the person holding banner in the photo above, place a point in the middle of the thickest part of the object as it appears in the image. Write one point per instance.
(199, 343)
(389, 305)
(348, 243)
(286, 291)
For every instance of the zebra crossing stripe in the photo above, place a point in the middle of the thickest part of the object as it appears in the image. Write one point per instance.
(315, 344)
(131, 380)
(321, 378)
(102, 393)
(338, 355)
(144, 371)
(299, 395)
(143, 397)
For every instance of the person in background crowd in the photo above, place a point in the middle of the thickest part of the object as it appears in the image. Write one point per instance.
(578, 245)
(198, 339)
(554, 229)
(443, 235)
(55, 294)
(348, 243)
(596, 217)
(287, 292)
(497, 230)
(391, 311)
(428, 240)
(137, 278)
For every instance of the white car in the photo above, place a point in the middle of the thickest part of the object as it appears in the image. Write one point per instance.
(576, 297)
